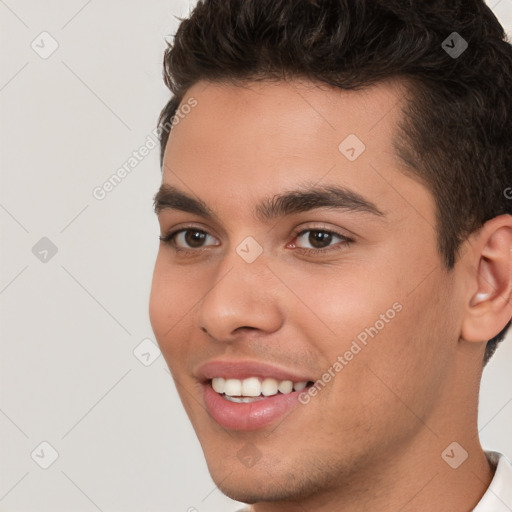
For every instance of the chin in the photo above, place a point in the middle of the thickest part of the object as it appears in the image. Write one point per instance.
(254, 490)
(265, 481)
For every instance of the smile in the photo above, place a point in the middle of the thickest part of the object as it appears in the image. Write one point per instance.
(253, 389)
(252, 403)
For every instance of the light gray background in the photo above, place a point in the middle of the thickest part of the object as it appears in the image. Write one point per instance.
(70, 325)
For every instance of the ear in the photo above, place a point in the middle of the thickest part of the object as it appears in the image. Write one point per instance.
(489, 306)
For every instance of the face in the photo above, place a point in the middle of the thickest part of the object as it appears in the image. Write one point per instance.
(295, 253)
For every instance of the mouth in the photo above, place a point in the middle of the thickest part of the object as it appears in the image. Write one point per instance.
(254, 389)
(249, 395)
(233, 409)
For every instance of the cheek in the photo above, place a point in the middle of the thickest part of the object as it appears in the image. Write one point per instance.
(336, 306)
(160, 301)
(171, 300)
(387, 330)
(400, 373)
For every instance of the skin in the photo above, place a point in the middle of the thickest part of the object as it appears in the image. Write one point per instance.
(372, 438)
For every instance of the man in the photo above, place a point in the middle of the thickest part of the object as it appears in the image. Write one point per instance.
(335, 261)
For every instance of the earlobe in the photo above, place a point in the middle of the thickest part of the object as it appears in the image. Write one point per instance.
(490, 269)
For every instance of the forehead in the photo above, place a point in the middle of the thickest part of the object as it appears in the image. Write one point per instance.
(293, 112)
(258, 138)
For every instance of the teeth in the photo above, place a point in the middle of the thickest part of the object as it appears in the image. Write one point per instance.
(249, 389)
(243, 399)
(299, 386)
(233, 387)
(218, 384)
(285, 386)
(269, 387)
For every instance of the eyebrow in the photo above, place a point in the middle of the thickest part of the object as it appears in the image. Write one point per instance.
(279, 205)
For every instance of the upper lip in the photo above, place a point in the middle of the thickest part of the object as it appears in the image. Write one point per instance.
(240, 369)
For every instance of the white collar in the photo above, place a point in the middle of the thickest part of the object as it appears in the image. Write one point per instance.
(498, 497)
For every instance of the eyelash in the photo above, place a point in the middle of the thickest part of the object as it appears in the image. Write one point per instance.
(169, 239)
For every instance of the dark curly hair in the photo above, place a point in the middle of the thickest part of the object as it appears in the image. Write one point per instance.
(456, 132)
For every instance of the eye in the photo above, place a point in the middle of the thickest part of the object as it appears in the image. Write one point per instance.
(187, 239)
(319, 240)
(310, 241)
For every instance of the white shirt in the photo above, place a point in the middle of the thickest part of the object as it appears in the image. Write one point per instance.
(498, 497)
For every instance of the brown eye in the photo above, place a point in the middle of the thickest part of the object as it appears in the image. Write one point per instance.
(194, 238)
(188, 239)
(320, 240)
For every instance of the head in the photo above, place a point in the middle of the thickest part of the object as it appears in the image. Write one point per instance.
(347, 128)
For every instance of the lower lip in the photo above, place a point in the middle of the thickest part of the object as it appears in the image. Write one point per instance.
(248, 416)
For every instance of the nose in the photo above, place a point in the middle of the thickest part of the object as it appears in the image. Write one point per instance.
(242, 297)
